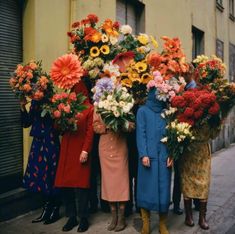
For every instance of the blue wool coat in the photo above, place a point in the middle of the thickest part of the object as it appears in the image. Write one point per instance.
(154, 182)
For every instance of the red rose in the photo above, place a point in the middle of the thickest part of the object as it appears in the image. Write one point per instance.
(182, 118)
(178, 101)
(76, 24)
(189, 112)
(214, 109)
(198, 114)
(116, 25)
(190, 122)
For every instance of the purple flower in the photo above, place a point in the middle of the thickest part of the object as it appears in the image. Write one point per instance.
(102, 85)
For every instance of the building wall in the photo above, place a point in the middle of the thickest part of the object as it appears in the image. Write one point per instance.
(47, 22)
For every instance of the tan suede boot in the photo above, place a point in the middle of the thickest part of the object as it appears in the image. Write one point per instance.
(162, 224)
(145, 215)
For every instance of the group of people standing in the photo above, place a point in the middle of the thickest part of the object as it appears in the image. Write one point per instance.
(62, 172)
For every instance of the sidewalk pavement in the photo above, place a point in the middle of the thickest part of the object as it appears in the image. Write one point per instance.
(221, 209)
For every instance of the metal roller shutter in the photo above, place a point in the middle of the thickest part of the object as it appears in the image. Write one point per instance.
(10, 125)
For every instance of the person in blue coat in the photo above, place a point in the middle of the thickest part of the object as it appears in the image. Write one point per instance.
(40, 172)
(154, 172)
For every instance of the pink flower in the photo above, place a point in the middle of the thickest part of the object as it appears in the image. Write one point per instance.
(73, 96)
(61, 106)
(151, 84)
(57, 114)
(38, 95)
(67, 109)
(66, 71)
(172, 94)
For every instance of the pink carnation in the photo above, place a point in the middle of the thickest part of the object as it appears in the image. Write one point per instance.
(57, 114)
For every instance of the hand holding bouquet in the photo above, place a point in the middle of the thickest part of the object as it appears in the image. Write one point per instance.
(65, 109)
(31, 81)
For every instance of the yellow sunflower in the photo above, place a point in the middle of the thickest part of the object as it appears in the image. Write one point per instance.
(143, 39)
(134, 77)
(154, 42)
(141, 66)
(145, 78)
(126, 83)
(104, 49)
(94, 51)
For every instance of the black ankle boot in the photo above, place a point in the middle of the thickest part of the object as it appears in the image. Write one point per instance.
(71, 223)
(83, 225)
(46, 211)
(54, 216)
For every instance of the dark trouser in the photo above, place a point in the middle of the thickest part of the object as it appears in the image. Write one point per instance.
(133, 168)
(76, 202)
(95, 168)
(176, 189)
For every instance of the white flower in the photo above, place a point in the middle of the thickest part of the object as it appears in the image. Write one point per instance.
(113, 40)
(163, 140)
(126, 109)
(122, 104)
(114, 108)
(101, 104)
(163, 115)
(179, 139)
(116, 113)
(109, 98)
(126, 29)
(104, 38)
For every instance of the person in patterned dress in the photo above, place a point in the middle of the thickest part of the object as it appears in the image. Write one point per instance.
(42, 162)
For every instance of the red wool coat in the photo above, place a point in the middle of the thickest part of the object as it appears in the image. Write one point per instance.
(71, 172)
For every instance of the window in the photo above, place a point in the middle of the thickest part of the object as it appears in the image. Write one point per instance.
(198, 42)
(131, 12)
(231, 62)
(231, 10)
(219, 5)
(220, 49)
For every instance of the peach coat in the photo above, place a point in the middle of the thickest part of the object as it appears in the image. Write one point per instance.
(113, 155)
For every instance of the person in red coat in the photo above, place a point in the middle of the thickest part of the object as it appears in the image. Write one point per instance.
(74, 168)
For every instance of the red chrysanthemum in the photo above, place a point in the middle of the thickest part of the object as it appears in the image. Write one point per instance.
(66, 71)
(93, 18)
(213, 110)
(189, 112)
(198, 114)
(178, 101)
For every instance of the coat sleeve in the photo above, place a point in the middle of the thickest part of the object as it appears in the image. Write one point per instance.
(98, 125)
(141, 137)
(27, 117)
(89, 133)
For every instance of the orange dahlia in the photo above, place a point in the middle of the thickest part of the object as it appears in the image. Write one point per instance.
(66, 71)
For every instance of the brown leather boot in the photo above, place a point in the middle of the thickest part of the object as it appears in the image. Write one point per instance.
(121, 223)
(202, 215)
(188, 212)
(145, 215)
(113, 223)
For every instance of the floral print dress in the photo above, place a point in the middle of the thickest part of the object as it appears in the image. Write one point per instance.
(43, 157)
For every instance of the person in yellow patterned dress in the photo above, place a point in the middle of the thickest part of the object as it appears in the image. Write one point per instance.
(195, 169)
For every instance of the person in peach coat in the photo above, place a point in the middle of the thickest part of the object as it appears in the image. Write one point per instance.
(113, 155)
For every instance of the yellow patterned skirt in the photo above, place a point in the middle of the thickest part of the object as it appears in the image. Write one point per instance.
(195, 172)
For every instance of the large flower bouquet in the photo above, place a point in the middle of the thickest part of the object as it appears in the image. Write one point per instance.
(95, 45)
(65, 109)
(135, 71)
(208, 69)
(31, 81)
(166, 89)
(171, 62)
(114, 105)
